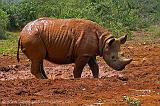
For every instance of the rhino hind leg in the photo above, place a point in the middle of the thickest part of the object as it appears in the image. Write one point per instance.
(94, 67)
(34, 48)
(79, 65)
(43, 72)
(36, 69)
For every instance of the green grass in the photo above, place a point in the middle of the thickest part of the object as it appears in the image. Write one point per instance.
(9, 46)
(155, 31)
(132, 101)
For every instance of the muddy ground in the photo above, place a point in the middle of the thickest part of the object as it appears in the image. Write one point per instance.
(138, 83)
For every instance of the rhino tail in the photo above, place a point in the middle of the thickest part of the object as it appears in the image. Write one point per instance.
(18, 59)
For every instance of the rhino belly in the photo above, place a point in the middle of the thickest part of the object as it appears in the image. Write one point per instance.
(59, 56)
(59, 60)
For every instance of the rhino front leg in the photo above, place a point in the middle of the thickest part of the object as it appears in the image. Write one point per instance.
(36, 69)
(94, 67)
(79, 65)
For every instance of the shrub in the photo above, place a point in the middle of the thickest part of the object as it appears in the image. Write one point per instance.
(3, 23)
(119, 16)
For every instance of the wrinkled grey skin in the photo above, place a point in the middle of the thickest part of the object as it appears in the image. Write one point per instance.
(111, 53)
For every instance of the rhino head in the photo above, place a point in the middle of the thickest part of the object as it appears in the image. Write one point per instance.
(111, 51)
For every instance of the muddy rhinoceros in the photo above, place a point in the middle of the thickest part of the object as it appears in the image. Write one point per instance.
(64, 41)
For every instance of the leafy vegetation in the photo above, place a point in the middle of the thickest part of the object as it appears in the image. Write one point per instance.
(119, 16)
(3, 23)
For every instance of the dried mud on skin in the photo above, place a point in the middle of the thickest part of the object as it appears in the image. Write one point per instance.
(139, 81)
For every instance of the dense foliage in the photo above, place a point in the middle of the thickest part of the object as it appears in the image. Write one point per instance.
(3, 23)
(119, 16)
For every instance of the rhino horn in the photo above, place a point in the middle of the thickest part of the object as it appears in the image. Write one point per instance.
(126, 61)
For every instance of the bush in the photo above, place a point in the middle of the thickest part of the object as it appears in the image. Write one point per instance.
(3, 23)
(119, 16)
(20, 14)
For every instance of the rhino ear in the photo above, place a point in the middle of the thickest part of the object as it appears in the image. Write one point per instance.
(110, 41)
(123, 39)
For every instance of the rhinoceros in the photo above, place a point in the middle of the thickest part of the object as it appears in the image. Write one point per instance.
(65, 41)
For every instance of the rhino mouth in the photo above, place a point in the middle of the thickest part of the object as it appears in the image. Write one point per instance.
(120, 69)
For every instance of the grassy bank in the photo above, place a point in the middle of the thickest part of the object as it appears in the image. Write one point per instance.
(9, 46)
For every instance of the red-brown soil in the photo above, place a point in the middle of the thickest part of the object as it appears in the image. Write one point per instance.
(139, 82)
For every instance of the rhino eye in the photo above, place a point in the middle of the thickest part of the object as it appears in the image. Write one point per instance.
(113, 57)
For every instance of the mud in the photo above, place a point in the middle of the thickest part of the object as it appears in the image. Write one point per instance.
(138, 83)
